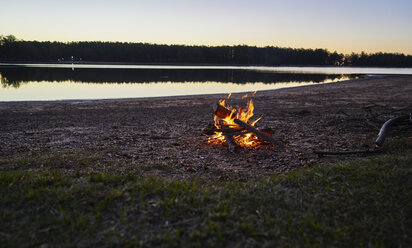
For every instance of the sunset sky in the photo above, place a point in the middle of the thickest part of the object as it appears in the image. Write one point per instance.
(345, 26)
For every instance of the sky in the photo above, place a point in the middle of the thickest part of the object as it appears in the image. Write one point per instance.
(344, 26)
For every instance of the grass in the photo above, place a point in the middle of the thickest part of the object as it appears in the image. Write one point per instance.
(363, 202)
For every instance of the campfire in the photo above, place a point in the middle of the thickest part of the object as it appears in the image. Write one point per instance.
(235, 127)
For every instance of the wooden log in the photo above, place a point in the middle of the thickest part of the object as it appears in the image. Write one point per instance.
(230, 142)
(387, 126)
(233, 131)
(258, 133)
(221, 111)
(237, 133)
(322, 153)
(267, 130)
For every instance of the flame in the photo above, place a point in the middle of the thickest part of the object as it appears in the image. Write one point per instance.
(243, 114)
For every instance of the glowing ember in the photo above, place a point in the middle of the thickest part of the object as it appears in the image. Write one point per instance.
(242, 138)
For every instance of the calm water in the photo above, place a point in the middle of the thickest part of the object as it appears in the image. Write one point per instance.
(64, 81)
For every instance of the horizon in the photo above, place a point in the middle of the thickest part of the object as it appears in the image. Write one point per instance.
(160, 44)
(345, 27)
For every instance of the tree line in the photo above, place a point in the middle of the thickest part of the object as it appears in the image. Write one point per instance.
(15, 50)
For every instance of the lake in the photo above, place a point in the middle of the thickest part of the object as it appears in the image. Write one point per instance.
(39, 82)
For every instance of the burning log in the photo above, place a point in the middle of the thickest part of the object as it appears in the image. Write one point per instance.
(258, 133)
(222, 112)
(231, 131)
(230, 141)
(235, 122)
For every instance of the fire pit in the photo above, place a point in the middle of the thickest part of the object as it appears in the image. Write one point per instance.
(234, 127)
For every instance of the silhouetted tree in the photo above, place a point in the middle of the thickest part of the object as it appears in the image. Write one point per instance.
(15, 50)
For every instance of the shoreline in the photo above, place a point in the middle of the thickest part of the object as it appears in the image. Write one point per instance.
(3, 63)
(183, 96)
(149, 132)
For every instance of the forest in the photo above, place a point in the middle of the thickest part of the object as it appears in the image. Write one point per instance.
(16, 50)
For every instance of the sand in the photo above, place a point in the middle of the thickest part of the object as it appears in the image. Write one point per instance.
(162, 136)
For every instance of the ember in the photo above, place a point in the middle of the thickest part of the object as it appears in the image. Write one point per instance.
(234, 127)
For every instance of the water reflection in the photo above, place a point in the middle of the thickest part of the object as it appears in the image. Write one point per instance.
(15, 76)
(71, 90)
(44, 83)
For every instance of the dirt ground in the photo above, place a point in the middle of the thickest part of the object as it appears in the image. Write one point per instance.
(166, 132)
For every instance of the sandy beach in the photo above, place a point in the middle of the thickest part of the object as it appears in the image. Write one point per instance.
(162, 136)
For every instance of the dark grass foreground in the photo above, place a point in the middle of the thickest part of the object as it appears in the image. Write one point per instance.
(366, 202)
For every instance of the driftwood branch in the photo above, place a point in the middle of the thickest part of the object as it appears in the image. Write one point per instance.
(388, 125)
(383, 133)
